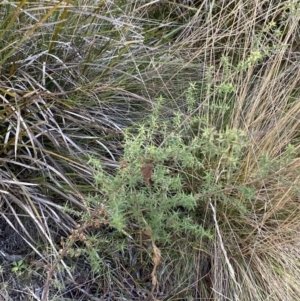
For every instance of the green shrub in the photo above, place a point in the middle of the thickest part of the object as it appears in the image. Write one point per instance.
(153, 186)
(189, 181)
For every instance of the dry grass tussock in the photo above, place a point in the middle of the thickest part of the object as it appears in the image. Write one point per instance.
(92, 92)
